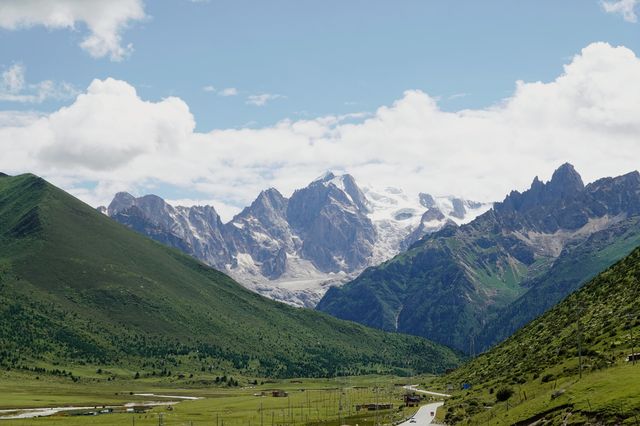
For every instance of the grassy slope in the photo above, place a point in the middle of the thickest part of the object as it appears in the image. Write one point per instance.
(579, 262)
(75, 285)
(540, 362)
(445, 287)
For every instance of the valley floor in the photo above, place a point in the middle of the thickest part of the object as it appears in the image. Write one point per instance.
(93, 401)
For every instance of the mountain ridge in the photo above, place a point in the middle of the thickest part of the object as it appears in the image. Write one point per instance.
(451, 283)
(293, 249)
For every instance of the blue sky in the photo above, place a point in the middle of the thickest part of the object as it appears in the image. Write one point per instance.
(292, 70)
(329, 57)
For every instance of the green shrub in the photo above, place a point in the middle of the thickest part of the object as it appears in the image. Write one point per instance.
(504, 393)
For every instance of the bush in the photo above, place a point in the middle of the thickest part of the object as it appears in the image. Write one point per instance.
(504, 393)
(547, 378)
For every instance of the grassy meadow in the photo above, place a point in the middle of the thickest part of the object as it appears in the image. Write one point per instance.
(330, 402)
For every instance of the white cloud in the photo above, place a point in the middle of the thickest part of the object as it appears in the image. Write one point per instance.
(13, 79)
(624, 7)
(229, 91)
(457, 96)
(262, 99)
(104, 20)
(109, 136)
(13, 88)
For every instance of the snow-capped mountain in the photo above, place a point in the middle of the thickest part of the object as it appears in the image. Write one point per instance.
(293, 249)
(401, 220)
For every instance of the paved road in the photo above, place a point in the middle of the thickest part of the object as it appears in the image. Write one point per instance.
(414, 388)
(423, 416)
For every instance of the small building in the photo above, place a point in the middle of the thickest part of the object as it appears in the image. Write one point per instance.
(279, 394)
(374, 407)
(411, 401)
(633, 357)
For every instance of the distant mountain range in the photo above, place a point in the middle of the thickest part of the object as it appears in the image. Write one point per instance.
(472, 286)
(77, 288)
(293, 249)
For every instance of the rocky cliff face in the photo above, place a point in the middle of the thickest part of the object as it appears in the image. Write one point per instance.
(293, 249)
(196, 230)
(330, 216)
(450, 284)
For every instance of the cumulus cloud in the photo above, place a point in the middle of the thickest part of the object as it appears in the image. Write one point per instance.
(626, 8)
(262, 99)
(104, 20)
(13, 88)
(110, 140)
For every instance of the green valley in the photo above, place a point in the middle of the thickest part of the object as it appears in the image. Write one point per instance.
(78, 289)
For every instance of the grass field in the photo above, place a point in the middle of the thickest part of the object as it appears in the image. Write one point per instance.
(329, 402)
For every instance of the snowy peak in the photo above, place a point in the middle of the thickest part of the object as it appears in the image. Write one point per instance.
(294, 249)
(330, 216)
(402, 219)
(343, 188)
(325, 177)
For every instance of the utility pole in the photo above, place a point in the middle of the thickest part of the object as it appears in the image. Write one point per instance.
(340, 408)
(633, 343)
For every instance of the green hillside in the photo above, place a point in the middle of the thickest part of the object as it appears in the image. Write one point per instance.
(579, 262)
(444, 287)
(539, 364)
(78, 288)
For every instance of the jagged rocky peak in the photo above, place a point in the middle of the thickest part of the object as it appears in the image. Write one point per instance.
(265, 216)
(565, 182)
(122, 201)
(564, 186)
(152, 204)
(620, 194)
(345, 184)
(269, 200)
(330, 216)
(426, 200)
